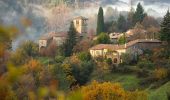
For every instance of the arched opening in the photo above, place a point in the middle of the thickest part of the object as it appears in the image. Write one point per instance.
(115, 60)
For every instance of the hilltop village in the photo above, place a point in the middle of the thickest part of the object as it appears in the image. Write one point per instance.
(113, 50)
(125, 57)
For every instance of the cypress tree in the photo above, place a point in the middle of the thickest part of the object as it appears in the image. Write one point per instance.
(100, 22)
(70, 41)
(165, 28)
(139, 14)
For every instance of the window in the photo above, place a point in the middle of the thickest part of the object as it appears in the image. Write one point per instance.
(77, 22)
(115, 60)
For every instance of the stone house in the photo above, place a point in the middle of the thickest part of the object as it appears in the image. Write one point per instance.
(57, 37)
(80, 24)
(114, 52)
(114, 37)
(130, 35)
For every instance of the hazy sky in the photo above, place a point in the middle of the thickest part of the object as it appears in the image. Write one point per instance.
(155, 8)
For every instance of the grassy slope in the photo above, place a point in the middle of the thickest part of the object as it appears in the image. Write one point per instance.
(160, 93)
(128, 81)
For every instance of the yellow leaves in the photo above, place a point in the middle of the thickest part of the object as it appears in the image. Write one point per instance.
(110, 91)
(43, 92)
(104, 91)
(34, 65)
(75, 95)
(71, 78)
(74, 59)
(60, 96)
(31, 95)
(160, 73)
(14, 73)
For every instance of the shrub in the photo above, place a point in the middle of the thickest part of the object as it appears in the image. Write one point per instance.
(110, 91)
(109, 61)
(59, 59)
(103, 38)
(127, 58)
(145, 64)
(84, 56)
(160, 73)
(80, 71)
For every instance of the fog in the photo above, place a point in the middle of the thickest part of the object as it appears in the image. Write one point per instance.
(45, 17)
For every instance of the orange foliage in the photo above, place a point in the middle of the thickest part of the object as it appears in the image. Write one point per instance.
(110, 91)
(34, 65)
(2, 50)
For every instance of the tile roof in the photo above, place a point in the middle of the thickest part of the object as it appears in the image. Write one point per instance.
(116, 47)
(53, 34)
(81, 17)
(143, 41)
(107, 46)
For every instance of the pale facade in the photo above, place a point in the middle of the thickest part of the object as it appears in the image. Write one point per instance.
(80, 24)
(59, 40)
(108, 51)
(114, 52)
(43, 42)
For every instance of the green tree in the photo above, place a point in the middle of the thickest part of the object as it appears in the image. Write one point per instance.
(121, 23)
(30, 48)
(100, 21)
(139, 14)
(103, 38)
(70, 41)
(122, 39)
(84, 56)
(78, 71)
(165, 28)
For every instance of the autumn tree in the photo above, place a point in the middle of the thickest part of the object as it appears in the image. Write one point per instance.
(110, 91)
(6, 35)
(78, 69)
(100, 22)
(160, 73)
(150, 21)
(51, 50)
(70, 41)
(30, 48)
(24, 52)
(153, 32)
(81, 46)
